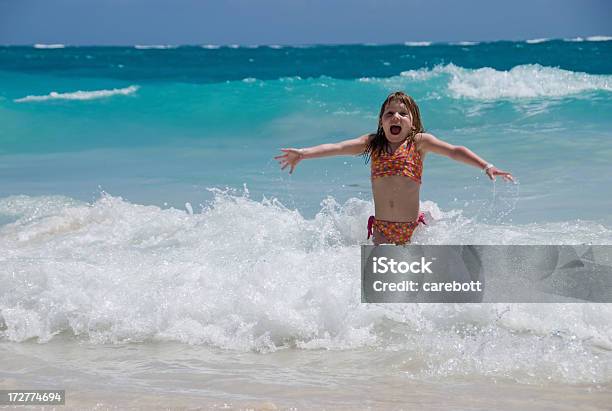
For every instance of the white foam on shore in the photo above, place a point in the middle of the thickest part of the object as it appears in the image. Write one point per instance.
(250, 275)
(80, 95)
(49, 46)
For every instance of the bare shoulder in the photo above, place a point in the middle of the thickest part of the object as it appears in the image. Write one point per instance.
(426, 142)
(354, 146)
(422, 140)
(368, 137)
(364, 139)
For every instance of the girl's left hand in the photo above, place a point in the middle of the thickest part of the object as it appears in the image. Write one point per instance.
(494, 171)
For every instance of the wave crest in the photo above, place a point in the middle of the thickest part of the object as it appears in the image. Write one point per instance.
(537, 41)
(80, 95)
(599, 38)
(154, 46)
(417, 43)
(590, 38)
(248, 275)
(49, 46)
(524, 81)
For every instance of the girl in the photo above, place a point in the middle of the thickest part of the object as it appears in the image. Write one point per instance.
(397, 151)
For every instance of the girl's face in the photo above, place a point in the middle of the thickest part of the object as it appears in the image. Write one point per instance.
(396, 122)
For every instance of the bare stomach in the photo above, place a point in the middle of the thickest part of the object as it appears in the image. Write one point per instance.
(396, 198)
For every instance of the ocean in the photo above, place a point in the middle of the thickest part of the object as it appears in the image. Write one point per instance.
(153, 254)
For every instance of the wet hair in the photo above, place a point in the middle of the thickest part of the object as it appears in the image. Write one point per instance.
(379, 143)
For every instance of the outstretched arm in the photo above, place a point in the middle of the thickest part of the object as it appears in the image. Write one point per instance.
(428, 143)
(292, 156)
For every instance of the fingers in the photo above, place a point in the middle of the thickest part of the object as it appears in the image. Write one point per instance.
(506, 176)
(496, 172)
(287, 159)
(284, 164)
(284, 150)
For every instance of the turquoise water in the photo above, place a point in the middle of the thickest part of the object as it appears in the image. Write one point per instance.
(160, 126)
(146, 231)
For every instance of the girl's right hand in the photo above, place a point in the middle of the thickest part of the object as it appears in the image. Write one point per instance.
(291, 157)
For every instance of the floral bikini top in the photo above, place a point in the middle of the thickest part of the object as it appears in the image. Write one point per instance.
(405, 161)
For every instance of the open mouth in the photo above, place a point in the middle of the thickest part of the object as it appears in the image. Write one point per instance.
(395, 130)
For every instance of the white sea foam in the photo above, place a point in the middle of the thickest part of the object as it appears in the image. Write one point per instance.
(422, 73)
(525, 81)
(275, 46)
(590, 38)
(154, 46)
(418, 43)
(211, 46)
(466, 43)
(80, 95)
(599, 38)
(254, 275)
(537, 41)
(49, 46)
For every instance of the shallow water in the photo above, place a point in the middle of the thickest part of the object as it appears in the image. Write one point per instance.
(178, 375)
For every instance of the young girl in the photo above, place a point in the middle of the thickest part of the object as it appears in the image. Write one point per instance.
(397, 151)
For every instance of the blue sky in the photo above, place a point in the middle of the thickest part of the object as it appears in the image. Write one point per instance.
(116, 22)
